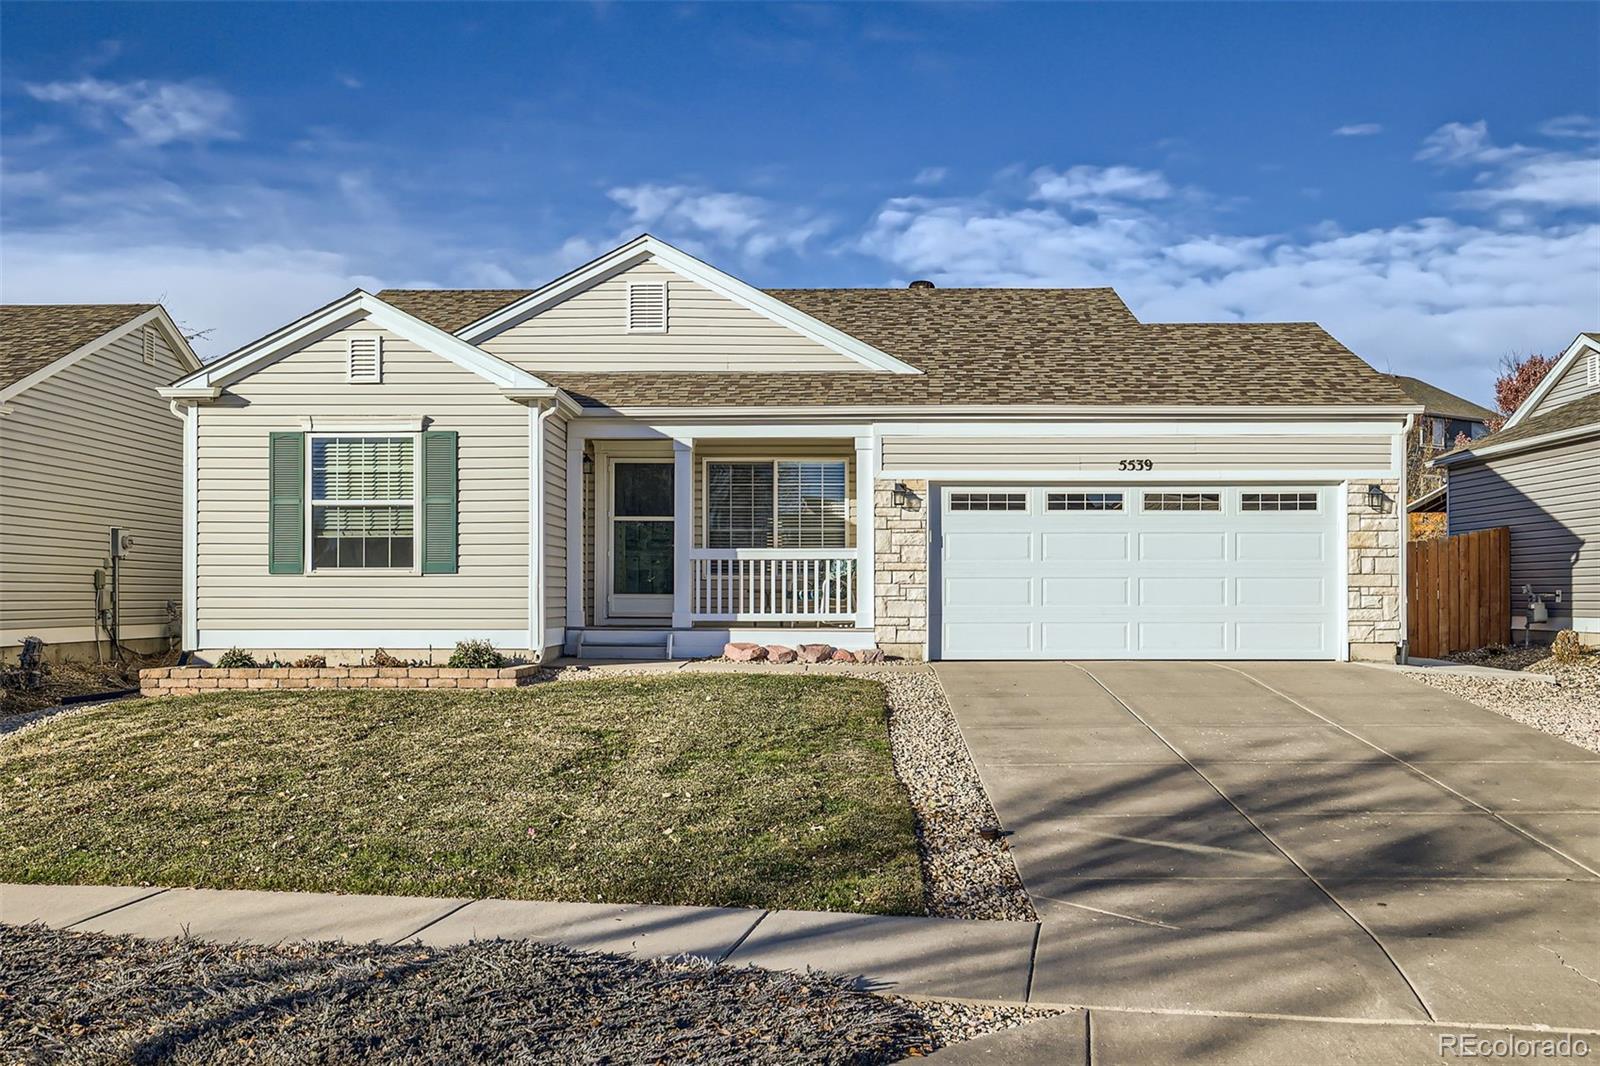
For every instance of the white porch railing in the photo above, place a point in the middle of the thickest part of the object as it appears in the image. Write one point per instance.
(772, 584)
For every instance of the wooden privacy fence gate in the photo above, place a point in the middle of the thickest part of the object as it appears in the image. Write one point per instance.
(1458, 592)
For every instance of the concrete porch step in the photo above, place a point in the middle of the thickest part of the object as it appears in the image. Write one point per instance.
(622, 651)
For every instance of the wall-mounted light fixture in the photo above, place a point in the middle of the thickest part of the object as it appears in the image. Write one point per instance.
(1375, 497)
(902, 496)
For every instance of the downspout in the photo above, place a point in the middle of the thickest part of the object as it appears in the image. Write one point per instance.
(536, 519)
(1402, 594)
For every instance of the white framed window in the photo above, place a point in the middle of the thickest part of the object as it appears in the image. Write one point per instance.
(1278, 501)
(365, 496)
(365, 352)
(1083, 501)
(147, 345)
(786, 503)
(988, 501)
(1183, 501)
(647, 307)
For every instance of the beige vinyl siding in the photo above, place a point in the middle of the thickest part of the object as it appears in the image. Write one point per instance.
(91, 447)
(555, 522)
(490, 589)
(1573, 384)
(1177, 455)
(768, 452)
(1548, 499)
(706, 331)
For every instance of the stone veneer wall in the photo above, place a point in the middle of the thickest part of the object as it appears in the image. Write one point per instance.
(900, 547)
(190, 680)
(1375, 546)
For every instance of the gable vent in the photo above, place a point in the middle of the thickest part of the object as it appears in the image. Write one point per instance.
(147, 340)
(1592, 369)
(647, 307)
(366, 359)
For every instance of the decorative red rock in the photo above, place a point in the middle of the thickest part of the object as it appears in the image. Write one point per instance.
(840, 655)
(869, 655)
(777, 653)
(743, 653)
(815, 653)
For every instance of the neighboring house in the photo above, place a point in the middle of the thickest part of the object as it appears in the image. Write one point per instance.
(1445, 417)
(1540, 476)
(649, 457)
(86, 446)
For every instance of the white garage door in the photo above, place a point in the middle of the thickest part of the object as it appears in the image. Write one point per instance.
(1058, 572)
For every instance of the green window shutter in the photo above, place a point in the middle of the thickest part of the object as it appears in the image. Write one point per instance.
(439, 502)
(286, 503)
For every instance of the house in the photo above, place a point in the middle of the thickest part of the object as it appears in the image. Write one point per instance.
(88, 448)
(648, 457)
(1540, 476)
(1445, 418)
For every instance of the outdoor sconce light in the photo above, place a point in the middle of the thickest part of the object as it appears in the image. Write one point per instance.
(902, 496)
(1375, 497)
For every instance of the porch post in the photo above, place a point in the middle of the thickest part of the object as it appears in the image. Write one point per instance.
(866, 533)
(682, 529)
(576, 441)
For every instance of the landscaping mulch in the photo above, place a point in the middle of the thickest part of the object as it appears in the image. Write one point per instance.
(87, 997)
(1569, 709)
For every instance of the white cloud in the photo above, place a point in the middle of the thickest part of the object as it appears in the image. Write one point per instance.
(153, 112)
(1584, 127)
(1090, 184)
(1439, 297)
(748, 225)
(1359, 129)
(931, 176)
(1463, 143)
(1546, 181)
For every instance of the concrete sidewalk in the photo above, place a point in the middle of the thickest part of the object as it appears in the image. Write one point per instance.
(937, 957)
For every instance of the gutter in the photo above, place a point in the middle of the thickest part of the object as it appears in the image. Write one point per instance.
(1511, 447)
(1009, 411)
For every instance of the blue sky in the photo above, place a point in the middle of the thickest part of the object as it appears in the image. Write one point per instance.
(1423, 179)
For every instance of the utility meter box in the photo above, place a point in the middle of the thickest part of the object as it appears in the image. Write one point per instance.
(121, 543)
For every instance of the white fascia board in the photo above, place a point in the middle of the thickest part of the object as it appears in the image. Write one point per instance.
(1512, 447)
(646, 247)
(192, 392)
(953, 414)
(558, 398)
(1578, 347)
(1112, 477)
(156, 316)
(363, 306)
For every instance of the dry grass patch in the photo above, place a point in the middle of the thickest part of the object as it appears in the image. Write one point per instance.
(774, 791)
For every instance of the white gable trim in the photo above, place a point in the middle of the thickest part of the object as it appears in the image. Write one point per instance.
(647, 248)
(156, 316)
(1577, 349)
(358, 306)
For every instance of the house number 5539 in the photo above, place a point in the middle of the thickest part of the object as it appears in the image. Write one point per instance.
(1135, 464)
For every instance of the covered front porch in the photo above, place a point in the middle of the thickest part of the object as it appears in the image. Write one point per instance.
(680, 542)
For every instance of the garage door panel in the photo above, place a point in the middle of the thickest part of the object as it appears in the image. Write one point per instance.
(1097, 546)
(1281, 546)
(1188, 637)
(1085, 591)
(990, 592)
(1030, 582)
(989, 547)
(1269, 640)
(1183, 592)
(1281, 592)
(1183, 547)
(1086, 639)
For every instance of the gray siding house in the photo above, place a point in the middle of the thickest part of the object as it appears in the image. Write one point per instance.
(1540, 476)
(86, 445)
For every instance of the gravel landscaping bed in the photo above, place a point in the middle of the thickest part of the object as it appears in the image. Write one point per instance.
(1569, 709)
(86, 997)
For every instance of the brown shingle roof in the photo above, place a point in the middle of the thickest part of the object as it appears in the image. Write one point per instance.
(1436, 401)
(32, 336)
(995, 347)
(1572, 415)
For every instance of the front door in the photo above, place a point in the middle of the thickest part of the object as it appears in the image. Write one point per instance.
(640, 584)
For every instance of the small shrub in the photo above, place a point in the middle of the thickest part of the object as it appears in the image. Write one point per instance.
(310, 661)
(1567, 649)
(476, 655)
(236, 659)
(383, 658)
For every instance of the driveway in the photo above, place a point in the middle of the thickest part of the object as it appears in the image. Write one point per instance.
(1321, 840)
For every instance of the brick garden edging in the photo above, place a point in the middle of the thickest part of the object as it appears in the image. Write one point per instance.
(190, 680)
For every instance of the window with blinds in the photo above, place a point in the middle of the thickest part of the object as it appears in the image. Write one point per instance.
(647, 307)
(363, 502)
(783, 504)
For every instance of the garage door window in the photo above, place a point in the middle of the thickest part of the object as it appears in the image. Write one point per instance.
(1083, 501)
(1183, 501)
(1278, 501)
(988, 501)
